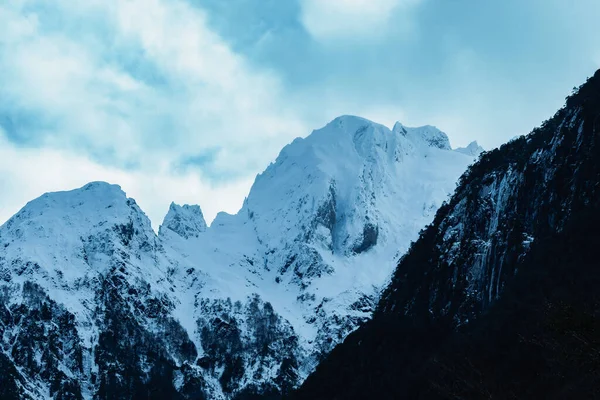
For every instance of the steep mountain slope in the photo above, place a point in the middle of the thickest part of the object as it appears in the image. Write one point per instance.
(354, 193)
(498, 298)
(86, 300)
(93, 304)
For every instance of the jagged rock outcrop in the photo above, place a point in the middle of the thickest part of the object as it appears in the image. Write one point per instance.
(473, 149)
(186, 221)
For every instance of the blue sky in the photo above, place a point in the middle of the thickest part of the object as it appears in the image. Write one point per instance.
(187, 100)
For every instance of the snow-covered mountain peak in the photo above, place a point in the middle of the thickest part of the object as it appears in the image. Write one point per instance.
(89, 207)
(186, 221)
(317, 236)
(427, 134)
(473, 149)
(333, 192)
(73, 233)
(349, 124)
(362, 133)
(300, 197)
(359, 138)
(101, 186)
(343, 135)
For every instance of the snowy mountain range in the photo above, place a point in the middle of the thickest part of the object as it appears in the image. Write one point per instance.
(94, 304)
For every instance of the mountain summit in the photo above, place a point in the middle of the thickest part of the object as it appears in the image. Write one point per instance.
(186, 221)
(473, 149)
(247, 306)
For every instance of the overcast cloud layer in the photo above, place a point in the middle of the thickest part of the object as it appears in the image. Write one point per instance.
(189, 100)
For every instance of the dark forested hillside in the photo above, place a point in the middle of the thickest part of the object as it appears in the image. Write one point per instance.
(498, 298)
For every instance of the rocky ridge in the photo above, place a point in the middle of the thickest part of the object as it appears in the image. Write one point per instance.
(247, 306)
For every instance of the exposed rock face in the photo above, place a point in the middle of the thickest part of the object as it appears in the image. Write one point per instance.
(473, 149)
(45, 344)
(256, 351)
(186, 221)
(428, 134)
(94, 304)
(498, 297)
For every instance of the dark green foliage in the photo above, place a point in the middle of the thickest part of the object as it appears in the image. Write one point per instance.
(264, 392)
(194, 387)
(9, 376)
(264, 325)
(287, 375)
(125, 232)
(222, 343)
(542, 339)
(133, 362)
(498, 298)
(42, 336)
(235, 337)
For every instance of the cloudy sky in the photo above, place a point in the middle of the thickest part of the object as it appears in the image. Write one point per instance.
(187, 100)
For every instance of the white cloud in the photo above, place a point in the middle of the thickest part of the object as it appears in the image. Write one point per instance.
(70, 75)
(340, 19)
(28, 173)
(93, 116)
